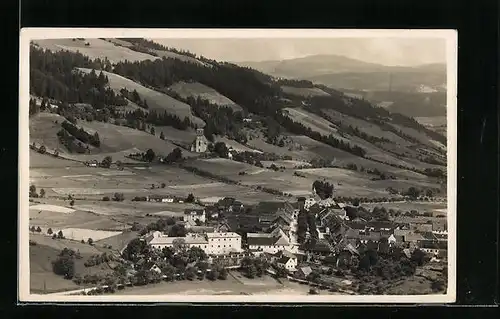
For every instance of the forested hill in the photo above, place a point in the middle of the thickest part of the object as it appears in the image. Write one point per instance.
(54, 76)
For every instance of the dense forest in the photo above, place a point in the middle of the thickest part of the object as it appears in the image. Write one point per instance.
(53, 76)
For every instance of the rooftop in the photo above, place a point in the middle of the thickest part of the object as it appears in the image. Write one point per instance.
(223, 235)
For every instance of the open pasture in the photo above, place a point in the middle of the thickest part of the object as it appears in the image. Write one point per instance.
(204, 92)
(225, 167)
(364, 126)
(42, 278)
(185, 58)
(156, 100)
(420, 136)
(314, 122)
(238, 147)
(79, 219)
(304, 92)
(432, 121)
(43, 129)
(97, 48)
(287, 164)
(409, 206)
(116, 138)
(60, 244)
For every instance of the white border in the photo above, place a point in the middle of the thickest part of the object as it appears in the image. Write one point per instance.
(28, 34)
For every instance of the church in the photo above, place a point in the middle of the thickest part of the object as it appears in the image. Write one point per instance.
(200, 144)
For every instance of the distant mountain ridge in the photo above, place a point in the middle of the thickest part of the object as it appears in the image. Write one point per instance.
(346, 73)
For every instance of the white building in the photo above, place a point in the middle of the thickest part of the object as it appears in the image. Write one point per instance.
(289, 263)
(270, 243)
(213, 243)
(192, 215)
(309, 202)
(200, 143)
(160, 198)
(159, 240)
(223, 243)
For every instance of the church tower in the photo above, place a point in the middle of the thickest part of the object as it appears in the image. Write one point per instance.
(200, 143)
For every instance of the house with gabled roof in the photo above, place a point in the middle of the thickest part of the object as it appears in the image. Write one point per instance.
(288, 263)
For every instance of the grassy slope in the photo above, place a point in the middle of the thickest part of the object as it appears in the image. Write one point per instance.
(207, 93)
(156, 100)
(304, 92)
(97, 49)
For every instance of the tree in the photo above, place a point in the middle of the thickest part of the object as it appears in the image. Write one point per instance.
(64, 266)
(134, 248)
(33, 229)
(106, 162)
(162, 136)
(90, 241)
(223, 273)
(174, 156)
(38, 229)
(323, 189)
(72, 203)
(153, 130)
(177, 231)
(60, 235)
(42, 149)
(429, 193)
(150, 155)
(170, 221)
(190, 273)
(33, 191)
(251, 271)
(221, 149)
(190, 198)
(413, 192)
(418, 257)
(49, 231)
(42, 193)
(118, 197)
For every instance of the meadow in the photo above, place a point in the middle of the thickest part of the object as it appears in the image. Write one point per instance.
(156, 100)
(204, 92)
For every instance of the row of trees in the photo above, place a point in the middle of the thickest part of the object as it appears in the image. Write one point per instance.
(33, 193)
(81, 134)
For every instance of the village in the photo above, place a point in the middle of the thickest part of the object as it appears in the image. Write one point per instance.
(320, 243)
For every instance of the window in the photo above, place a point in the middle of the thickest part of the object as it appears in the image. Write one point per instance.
(218, 246)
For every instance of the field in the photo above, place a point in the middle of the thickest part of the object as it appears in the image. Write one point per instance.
(235, 284)
(364, 126)
(43, 130)
(156, 100)
(408, 206)
(116, 138)
(196, 90)
(303, 91)
(314, 122)
(97, 49)
(42, 279)
(181, 57)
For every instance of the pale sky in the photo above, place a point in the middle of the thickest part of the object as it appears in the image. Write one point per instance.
(387, 51)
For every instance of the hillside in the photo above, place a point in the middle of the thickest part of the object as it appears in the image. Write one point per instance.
(158, 103)
(97, 48)
(156, 100)
(196, 90)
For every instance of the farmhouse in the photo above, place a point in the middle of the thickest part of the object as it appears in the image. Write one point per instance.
(160, 198)
(269, 243)
(288, 263)
(200, 143)
(192, 215)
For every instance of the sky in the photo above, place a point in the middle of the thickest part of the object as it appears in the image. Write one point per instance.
(386, 51)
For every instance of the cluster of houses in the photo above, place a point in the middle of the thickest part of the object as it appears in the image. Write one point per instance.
(273, 233)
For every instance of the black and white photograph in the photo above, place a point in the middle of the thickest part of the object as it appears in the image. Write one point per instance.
(233, 165)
